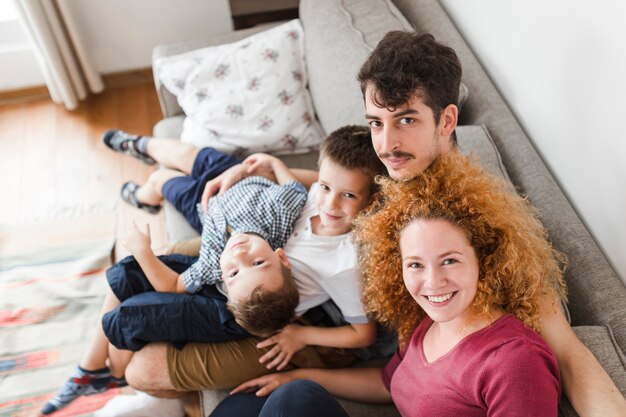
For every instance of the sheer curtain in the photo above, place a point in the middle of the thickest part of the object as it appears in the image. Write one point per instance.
(66, 67)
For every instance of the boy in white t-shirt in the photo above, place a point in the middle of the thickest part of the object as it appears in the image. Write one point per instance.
(320, 251)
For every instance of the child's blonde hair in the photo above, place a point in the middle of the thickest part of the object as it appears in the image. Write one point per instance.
(517, 263)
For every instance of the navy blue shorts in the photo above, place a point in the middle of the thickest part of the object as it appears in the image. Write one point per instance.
(145, 315)
(186, 192)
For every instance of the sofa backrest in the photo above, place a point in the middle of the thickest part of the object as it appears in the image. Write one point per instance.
(338, 36)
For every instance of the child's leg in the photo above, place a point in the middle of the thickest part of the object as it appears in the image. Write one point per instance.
(92, 375)
(118, 360)
(151, 192)
(170, 153)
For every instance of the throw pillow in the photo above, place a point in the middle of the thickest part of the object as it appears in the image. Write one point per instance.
(247, 96)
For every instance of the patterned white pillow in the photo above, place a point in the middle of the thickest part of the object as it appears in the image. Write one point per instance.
(247, 96)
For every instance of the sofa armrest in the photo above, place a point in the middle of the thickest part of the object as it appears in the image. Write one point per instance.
(168, 102)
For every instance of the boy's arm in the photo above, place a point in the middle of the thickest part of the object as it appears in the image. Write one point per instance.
(295, 337)
(162, 278)
(264, 161)
(234, 174)
(586, 384)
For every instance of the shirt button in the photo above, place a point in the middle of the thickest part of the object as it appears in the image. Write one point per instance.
(196, 282)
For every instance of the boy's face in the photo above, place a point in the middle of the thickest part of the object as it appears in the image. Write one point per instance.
(247, 262)
(342, 195)
(407, 139)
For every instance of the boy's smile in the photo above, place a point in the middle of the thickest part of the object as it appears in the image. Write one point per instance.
(341, 196)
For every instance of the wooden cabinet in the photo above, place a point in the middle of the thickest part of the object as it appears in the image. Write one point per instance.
(247, 13)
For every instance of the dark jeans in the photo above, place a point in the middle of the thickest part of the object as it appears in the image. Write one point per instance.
(301, 398)
(145, 315)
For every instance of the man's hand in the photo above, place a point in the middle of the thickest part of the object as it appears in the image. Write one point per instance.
(286, 343)
(265, 384)
(137, 241)
(222, 182)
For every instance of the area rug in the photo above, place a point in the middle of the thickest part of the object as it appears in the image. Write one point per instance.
(52, 283)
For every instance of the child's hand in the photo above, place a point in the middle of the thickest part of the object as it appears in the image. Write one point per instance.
(137, 241)
(222, 182)
(286, 343)
(265, 384)
(260, 161)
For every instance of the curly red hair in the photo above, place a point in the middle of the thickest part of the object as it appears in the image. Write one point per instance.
(517, 262)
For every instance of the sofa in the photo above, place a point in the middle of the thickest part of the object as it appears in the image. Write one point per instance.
(339, 34)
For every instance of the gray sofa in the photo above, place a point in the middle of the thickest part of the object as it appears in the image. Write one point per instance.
(338, 36)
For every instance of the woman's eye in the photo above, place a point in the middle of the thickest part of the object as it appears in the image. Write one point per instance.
(449, 261)
(414, 265)
(324, 187)
(231, 274)
(258, 262)
(349, 195)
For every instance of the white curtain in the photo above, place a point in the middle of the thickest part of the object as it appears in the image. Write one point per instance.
(64, 62)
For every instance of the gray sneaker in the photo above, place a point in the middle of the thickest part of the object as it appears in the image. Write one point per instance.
(128, 194)
(124, 142)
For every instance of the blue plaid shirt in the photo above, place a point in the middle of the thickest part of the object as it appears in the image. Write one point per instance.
(253, 205)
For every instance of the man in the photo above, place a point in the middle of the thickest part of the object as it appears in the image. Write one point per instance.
(410, 85)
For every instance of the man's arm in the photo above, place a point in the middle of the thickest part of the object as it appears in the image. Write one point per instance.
(295, 337)
(588, 387)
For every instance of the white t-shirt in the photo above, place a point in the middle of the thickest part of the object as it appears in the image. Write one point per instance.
(324, 267)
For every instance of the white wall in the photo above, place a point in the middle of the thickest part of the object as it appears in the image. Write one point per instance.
(119, 34)
(561, 66)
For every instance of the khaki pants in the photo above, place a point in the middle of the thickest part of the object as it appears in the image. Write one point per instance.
(201, 366)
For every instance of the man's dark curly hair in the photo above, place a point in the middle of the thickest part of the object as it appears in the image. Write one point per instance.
(405, 65)
(267, 312)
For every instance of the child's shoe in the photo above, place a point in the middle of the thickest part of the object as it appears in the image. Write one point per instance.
(123, 142)
(83, 383)
(128, 193)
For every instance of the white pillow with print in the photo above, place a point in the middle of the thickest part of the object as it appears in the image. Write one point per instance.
(247, 96)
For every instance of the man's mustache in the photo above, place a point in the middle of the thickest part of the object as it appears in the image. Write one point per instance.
(395, 154)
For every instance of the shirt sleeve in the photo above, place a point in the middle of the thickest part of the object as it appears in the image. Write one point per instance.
(286, 206)
(522, 380)
(206, 270)
(390, 369)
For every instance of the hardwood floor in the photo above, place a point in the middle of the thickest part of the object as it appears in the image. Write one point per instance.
(53, 163)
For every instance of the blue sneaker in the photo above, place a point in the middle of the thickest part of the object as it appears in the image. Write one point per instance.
(83, 383)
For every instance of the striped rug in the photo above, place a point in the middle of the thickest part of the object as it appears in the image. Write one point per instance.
(51, 288)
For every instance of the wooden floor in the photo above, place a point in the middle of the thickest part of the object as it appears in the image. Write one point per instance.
(53, 163)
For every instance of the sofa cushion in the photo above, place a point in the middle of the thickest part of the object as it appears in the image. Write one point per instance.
(343, 33)
(475, 141)
(247, 96)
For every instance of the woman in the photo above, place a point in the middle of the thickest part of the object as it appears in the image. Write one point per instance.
(456, 264)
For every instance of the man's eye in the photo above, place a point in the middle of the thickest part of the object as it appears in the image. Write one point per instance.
(374, 123)
(231, 274)
(406, 121)
(324, 187)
